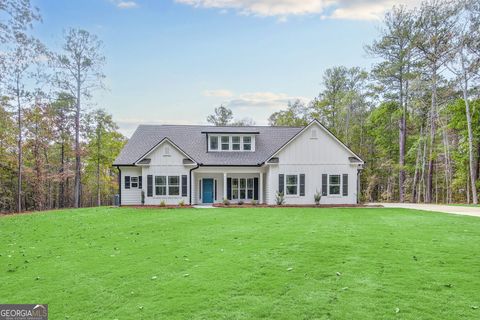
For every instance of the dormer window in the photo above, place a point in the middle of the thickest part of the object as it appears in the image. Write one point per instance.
(236, 143)
(225, 143)
(214, 143)
(247, 143)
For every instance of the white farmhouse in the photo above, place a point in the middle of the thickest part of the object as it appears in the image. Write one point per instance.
(206, 164)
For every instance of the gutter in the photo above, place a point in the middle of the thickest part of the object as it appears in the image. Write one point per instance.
(190, 180)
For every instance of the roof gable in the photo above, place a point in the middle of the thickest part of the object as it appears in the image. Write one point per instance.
(325, 131)
(160, 144)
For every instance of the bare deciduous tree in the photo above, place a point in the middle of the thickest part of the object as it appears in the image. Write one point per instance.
(78, 71)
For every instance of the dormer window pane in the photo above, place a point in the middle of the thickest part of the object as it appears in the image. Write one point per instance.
(225, 143)
(247, 143)
(236, 143)
(213, 143)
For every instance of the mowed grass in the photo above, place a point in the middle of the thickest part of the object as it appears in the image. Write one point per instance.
(271, 263)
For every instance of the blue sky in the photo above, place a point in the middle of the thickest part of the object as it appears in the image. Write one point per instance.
(175, 61)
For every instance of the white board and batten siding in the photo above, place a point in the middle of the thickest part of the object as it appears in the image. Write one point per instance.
(166, 160)
(131, 196)
(314, 153)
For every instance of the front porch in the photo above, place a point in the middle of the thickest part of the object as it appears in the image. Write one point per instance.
(237, 184)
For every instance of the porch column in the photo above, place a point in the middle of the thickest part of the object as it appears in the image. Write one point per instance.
(260, 186)
(224, 186)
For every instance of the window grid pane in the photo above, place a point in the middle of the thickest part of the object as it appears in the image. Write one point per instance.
(225, 143)
(235, 189)
(214, 143)
(334, 184)
(291, 184)
(160, 185)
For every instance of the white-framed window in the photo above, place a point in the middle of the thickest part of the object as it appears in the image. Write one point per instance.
(160, 185)
(234, 189)
(213, 143)
(233, 143)
(236, 143)
(291, 184)
(334, 184)
(242, 188)
(173, 185)
(247, 143)
(250, 188)
(134, 182)
(225, 143)
(167, 185)
(243, 193)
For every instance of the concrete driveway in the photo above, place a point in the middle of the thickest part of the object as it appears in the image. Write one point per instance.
(463, 210)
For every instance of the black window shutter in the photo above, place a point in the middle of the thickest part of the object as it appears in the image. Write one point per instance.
(127, 182)
(184, 185)
(302, 185)
(139, 182)
(324, 184)
(215, 190)
(281, 183)
(345, 184)
(149, 185)
(229, 188)
(255, 188)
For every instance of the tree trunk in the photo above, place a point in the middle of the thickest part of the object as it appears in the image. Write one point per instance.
(417, 164)
(471, 159)
(402, 137)
(77, 202)
(448, 167)
(62, 177)
(99, 135)
(468, 188)
(20, 160)
(422, 181)
(433, 119)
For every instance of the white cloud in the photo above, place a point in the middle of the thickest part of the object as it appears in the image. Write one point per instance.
(336, 9)
(220, 93)
(264, 100)
(125, 4)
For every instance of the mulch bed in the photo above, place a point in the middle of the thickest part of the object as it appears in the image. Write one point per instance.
(167, 206)
(247, 205)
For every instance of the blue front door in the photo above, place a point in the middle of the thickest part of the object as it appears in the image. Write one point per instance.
(207, 193)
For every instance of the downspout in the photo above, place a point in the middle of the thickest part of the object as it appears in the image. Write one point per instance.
(190, 180)
(119, 186)
(359, 186)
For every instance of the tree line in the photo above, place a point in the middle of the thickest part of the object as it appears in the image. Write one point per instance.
(54, 151)
(415, 116)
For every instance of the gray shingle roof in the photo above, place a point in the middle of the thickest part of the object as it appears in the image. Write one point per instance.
(191, 140)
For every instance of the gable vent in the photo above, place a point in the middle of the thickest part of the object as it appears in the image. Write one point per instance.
(314, 134)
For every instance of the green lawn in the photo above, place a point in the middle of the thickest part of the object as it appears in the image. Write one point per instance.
(288, 263)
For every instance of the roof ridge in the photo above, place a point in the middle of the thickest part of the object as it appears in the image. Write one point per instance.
(211, 126)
